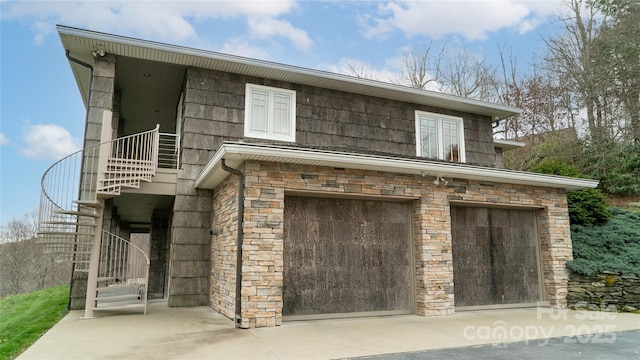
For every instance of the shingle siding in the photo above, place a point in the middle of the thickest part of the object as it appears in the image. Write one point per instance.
(214, 112)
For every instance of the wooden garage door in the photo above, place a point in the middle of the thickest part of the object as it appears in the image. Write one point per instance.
(346, 256)
(495, 256)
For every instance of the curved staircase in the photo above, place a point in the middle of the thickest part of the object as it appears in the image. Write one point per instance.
(74, 191)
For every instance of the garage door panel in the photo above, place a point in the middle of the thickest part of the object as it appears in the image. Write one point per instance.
(356, 256)
(495, 256)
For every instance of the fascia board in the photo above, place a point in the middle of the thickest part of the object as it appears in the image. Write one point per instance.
(508, 144)
(238, 152)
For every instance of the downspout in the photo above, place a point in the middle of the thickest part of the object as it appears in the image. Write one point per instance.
(86, 118)
(239, 237)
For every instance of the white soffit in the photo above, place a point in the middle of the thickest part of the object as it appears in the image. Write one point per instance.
(235, 153)
(80, 43)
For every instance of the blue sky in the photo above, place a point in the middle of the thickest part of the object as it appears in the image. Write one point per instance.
(41, 111)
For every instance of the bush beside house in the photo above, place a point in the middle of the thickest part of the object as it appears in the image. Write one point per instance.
(606, 266)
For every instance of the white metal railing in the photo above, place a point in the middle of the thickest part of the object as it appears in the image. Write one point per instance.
(66, 185)
(169, 151)
(131, 159)
(123, 274)
(71, 185)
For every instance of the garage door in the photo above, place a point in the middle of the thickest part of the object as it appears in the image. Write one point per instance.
(346, 256)
(495, 256)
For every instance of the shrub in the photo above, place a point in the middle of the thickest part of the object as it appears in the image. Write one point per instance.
(614, 246)
(586, 207)
(556, 167)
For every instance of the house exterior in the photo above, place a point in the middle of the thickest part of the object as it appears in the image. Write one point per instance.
(286, 193)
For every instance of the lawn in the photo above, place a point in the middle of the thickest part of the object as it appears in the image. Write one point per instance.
(26, 317)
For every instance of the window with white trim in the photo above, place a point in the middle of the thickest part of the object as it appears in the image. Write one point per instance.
(439, 136)
(270, 113)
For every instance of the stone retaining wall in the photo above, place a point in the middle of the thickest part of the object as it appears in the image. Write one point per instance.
(608, 291)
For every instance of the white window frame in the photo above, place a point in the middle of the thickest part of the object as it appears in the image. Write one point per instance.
(270, 133)
(439, 120)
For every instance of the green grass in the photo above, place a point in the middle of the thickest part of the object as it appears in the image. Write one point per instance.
(26, 317)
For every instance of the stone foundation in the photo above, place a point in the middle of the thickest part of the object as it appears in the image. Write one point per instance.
(608, 291)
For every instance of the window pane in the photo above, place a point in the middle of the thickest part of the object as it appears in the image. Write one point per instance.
(281, 114)
(259, 110)
(451, 140)
(429, 137)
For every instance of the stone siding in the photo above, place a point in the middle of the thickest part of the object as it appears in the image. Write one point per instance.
(214, 112)
(190, 245)
(608, 291)
(223, 249)
(266, 184)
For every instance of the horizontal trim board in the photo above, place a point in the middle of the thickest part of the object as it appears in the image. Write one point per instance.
(496, 307)
(346, 315)
(354, 196)
(495, 205)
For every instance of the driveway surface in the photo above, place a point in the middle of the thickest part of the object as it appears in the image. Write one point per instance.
(201, 333)
(619, 346)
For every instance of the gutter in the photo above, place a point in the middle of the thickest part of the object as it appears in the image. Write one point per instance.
(239, 238)
(84, 138)
(237, 152)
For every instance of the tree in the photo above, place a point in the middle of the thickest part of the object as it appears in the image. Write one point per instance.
(23, 265)
(618, 49)
(421, 67)
(468, 75)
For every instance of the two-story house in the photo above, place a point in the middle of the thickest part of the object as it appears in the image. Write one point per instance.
(274, 192)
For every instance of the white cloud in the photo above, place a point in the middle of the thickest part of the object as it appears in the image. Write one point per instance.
(157, 20)
(47, 142)
(4, 140)
(241, 46)
(265, 27)
(470, 19)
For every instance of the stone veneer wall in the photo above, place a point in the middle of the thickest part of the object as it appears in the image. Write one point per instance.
(607, 291)
(266, 184)
(223, 249)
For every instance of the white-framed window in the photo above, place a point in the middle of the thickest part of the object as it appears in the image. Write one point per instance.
(270, 113)
(439, 136)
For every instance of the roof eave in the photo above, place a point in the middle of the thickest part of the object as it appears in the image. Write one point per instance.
(235, 153)
(85, 41)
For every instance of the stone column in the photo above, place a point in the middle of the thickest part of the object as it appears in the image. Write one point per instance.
(158, 248)
(100, 99)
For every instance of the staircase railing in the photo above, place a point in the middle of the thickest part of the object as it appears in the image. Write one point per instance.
(130, 159)
(71, 209)
(123, 275)
(73, 182)
(67, 187)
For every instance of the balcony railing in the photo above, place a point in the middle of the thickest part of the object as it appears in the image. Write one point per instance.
(169, 151)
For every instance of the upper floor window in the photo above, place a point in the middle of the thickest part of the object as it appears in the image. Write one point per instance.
(440, 136)
(270, 113)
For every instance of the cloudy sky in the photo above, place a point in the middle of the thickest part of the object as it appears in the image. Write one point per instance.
(41, 111)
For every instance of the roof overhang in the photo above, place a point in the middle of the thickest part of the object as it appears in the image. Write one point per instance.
(81, 43)
(235, 153)
(507, 144)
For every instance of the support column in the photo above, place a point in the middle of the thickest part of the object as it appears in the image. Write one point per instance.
(100, 100)
(158, 238)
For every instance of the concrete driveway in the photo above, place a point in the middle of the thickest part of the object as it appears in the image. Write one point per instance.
(201, 333)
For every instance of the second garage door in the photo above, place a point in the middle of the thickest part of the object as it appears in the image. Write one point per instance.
(495, 256)
(346, 256)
